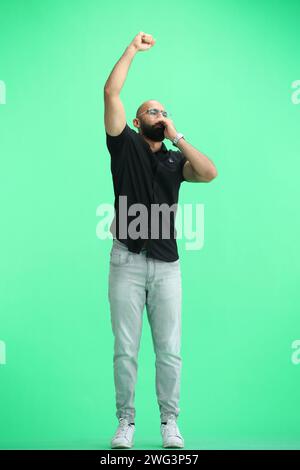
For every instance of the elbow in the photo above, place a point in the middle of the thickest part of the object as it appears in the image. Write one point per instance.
(107, 90)
(110, 94)
(212, 174)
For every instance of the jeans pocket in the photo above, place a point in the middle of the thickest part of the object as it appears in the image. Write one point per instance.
(119, 258)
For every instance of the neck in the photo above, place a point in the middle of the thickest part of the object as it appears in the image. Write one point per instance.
(154, 146)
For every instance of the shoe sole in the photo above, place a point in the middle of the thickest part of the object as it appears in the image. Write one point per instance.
(179, 446)
(121, 446)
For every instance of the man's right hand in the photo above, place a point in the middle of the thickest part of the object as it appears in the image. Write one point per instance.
(143, 41)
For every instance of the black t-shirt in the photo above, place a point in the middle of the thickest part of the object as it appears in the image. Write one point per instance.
(148, 178)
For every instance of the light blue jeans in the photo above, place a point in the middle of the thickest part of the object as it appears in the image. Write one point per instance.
(136, 281)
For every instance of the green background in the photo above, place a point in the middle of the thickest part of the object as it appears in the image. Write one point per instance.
(224, 69)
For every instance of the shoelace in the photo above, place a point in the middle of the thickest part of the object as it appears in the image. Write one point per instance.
(171, 428)
(123, 428)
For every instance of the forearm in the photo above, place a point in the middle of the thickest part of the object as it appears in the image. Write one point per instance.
(118, 74)
(201, 164)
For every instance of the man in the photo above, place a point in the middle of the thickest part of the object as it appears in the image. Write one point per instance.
(144, 268)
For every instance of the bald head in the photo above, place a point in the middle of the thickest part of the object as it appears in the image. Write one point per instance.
(149, 104)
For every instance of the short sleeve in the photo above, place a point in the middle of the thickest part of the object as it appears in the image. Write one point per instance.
(117, 147)
(181, 161)
(115, 143)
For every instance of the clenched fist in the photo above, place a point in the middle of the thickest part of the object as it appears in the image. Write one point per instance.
(143, 41)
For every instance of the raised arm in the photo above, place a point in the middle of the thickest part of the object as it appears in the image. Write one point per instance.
(114, 115)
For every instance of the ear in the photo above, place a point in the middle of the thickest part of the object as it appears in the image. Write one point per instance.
(136, 122)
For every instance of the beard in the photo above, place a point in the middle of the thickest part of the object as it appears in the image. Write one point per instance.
(153, 132)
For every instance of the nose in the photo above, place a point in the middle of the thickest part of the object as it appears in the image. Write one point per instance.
(160, 119)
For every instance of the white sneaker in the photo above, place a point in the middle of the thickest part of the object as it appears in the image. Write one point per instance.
(123, 437)
(170, 434)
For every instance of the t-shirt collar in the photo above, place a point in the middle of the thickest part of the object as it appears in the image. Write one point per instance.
(162, 149)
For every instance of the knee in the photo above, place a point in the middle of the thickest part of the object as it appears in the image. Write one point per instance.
(168, 355)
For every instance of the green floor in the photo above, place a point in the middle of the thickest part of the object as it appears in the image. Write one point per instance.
(154, 442)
